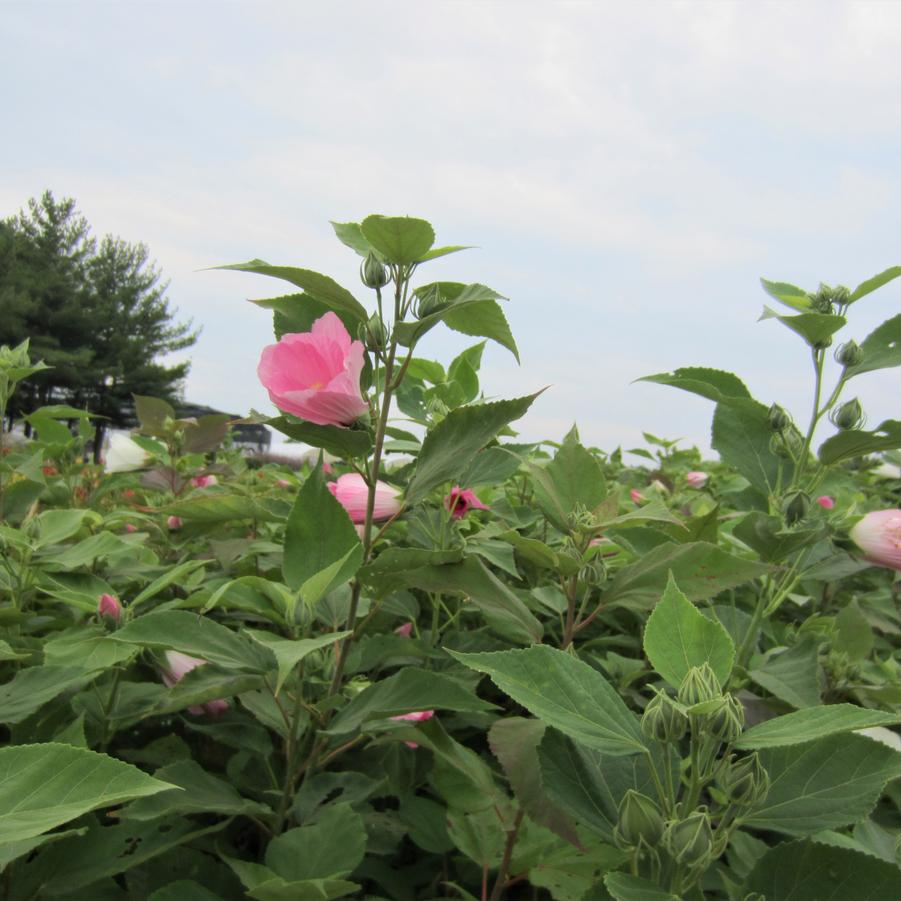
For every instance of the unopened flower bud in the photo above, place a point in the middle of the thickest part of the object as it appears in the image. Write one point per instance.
(727, 721)
(696, 479)
(744, 781)
(778, 418)
(689, 840)
(431, 302)
(841, 296)
(593, 573)
(662, 720)
(372, 273)
(795, 507)
(822, 300)
(848, 354)
(848, 416)
(374, 333)
(826, 502)
(109, 606)
(699, 685)
(639, 819)
(173, 522)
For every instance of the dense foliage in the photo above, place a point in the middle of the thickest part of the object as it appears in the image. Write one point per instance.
(438, 662)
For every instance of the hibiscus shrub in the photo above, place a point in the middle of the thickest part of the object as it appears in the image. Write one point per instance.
(434, 661)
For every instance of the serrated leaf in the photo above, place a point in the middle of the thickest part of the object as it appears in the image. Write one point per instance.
(881, 349)
(351, 235)
(331, 438)
(289, 653)
(35, 686)
(714, 384)
(814, 328)
(624, 887)
(877, 281)
(856, 443)
(792, 675)
(398, 239)
(790, 295)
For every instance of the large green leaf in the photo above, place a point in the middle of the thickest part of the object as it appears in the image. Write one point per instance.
(700, 569)
(450, 446)
(678, 637)
(407, 691)
(45, 785)
(294, 313)
(814, 328)
(319, 534)
(881, 348)
(856, 443)
(877, 281)
(323, 288)
(215, 508)
(823, 784)
(714, 384)
(810, 871)
(565, 693)
(811, 723)
(790, 295)
(178, 630)
(331, 438)
(35, 686)
(792, 675)
(89, 649)
(289, 653)
(398, 239)
(624, 887)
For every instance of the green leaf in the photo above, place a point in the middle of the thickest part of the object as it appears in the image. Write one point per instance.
(398, 239)
(171, 575)
(853, 633)
(624, 887)
(89, 649)
(714, 384)
(436, 252)
(823, 784)
(216, 508)
(181, 890)
(408, 690)
(321, 287)
(856, 443)
(152, 413)
(814, 328)
(741, 436)
(881, 348)
(790, 295)
(483, 319)
(351, 235)
(43, 786)
(451, 445)
(55, 526)
(563, 692)
(293, 313)
(178, 630)
(319, 534)
(207, 433)
(812, 723)
(678, 637)
(877, 281)
(289, 653)
(792, 675)
(331, 438)
(809, 871)
(10, 851)
(35, 686)
(701, 570)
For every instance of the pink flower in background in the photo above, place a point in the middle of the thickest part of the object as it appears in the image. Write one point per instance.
(204, 481)
(352, 493)
(696, 479)
(316, 375)
(404, 630)
(130, 528)
(636, 495)
(109, 605)
(327, 467)
(461, 500)
(179, 665)
(174, 522)
(878, 535)
(418, 716)
(826, 502)
(283, 483)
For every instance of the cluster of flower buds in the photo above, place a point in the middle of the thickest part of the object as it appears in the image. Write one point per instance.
(743, 780)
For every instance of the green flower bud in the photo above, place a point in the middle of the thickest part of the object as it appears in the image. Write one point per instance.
(689, 840)
(639, 819)
(662, 720)
(430, 302)
(372, 273)
(374, 333)
(848, 416)
(727, 721)
(778, 418)
(821, 302)
(699, 685)
(593, 573)
(795, 507)
(744, 781)
(848, 354)
(841, 296)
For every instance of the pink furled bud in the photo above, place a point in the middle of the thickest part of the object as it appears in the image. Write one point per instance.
(283, 483)
(696, 479)
(204, 481)
(327, 467)
(461, 500)
(174, 522)
(404, 630)
(878, 535)
(352, 493)
(418, 716)
(826, 502)
(129, 527)
(636, 495)
(316, 375)
(109, 605)
(179, 665)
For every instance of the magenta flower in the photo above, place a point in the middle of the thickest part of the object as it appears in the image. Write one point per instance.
(636, 495)
(109, 605)
(461, 500)
(696, 479)
(352, 493)
(174, 522)
(404, 630)
(130, 528)
(316, 375)
(418, 716)
(204, 481)
(826, 502)
(283, 483)
(878, 535)
(179, 665)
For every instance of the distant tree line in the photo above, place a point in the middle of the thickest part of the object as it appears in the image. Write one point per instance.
(95, 311)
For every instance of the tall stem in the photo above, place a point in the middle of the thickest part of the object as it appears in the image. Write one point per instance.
(819, 357)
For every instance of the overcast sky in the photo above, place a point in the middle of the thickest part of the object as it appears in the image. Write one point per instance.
(626, 170)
